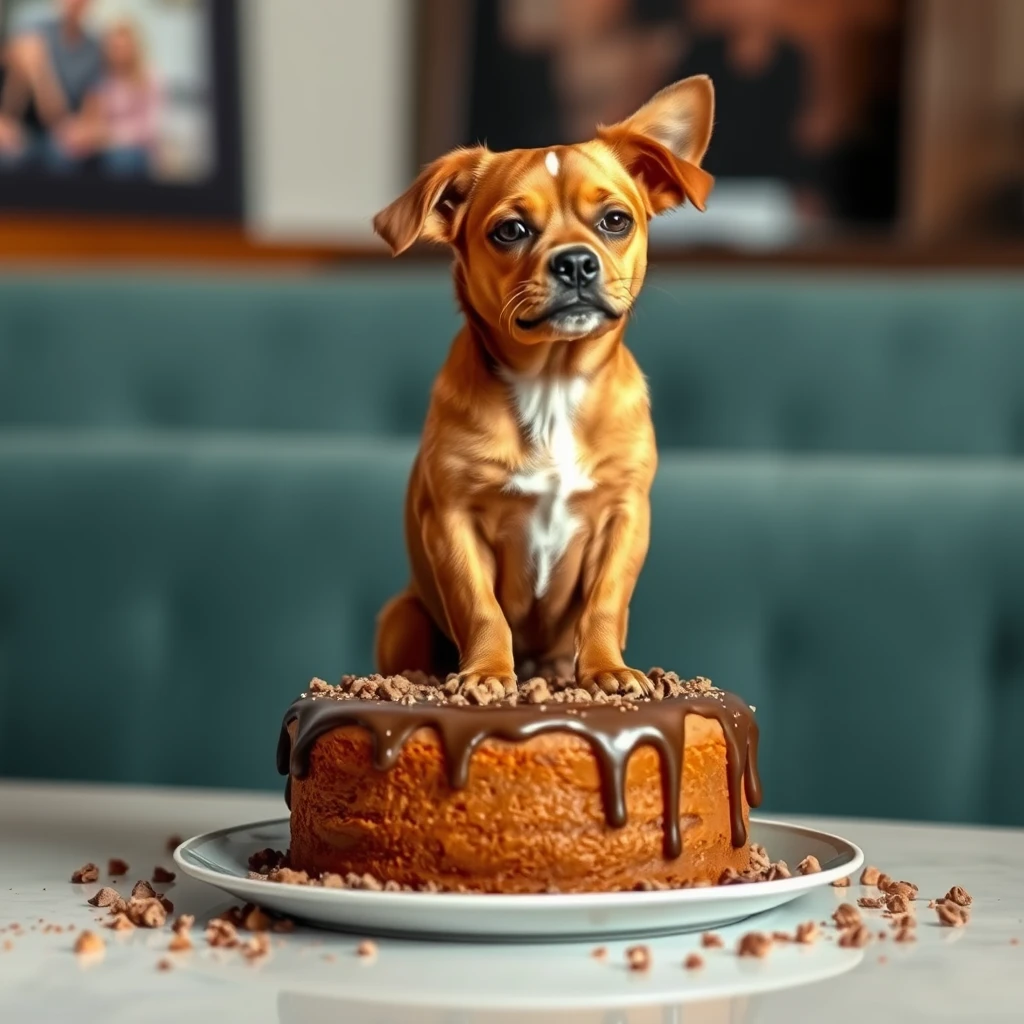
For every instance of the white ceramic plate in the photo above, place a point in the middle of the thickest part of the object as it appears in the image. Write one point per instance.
(221, 858)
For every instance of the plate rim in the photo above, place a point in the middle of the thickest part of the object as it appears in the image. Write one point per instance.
(527, 901)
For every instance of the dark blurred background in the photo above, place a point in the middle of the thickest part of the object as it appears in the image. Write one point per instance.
(212, 378)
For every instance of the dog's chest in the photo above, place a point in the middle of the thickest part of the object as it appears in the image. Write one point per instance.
(552, 473)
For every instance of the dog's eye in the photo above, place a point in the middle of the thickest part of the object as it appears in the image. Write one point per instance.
(510, 231)
(615, 222)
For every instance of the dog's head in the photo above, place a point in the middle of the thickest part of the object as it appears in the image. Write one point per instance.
(551, 244)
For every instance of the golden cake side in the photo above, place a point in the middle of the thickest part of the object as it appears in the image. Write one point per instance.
(530, 818)
(522, 799)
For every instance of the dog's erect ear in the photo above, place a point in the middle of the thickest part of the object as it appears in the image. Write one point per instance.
(663, 143)
(431, 208)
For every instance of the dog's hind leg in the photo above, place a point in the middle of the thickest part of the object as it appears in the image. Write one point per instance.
(409, 640)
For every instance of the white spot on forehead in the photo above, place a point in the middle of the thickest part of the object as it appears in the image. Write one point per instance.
(551, 163)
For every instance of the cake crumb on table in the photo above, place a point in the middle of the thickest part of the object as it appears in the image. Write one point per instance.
(117, 866)
(258, 946)
(951, 916)
(599, 952)
(960, 896)
(164, 965)
(89, 944)
(905, 889)
(846, 916)
(638, 958)
(221, 934)
(870, 875)
(146, 912)
(256, 920)
(367, 950)
(709, 940)
(86, 873)
(104, 898)
(807, 932)
(897, 903)
(162, 875)
(855, 938)
(143, 890)
(693, 962)
(841, 883)
(755, 944)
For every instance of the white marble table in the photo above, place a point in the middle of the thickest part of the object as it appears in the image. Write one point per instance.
(974, 973)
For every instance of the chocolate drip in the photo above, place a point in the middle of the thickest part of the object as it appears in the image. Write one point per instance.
(613, 731)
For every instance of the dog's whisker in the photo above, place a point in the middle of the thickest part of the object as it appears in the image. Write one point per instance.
(520, 295)
(511, 303)
(513, 325)
(516, 293)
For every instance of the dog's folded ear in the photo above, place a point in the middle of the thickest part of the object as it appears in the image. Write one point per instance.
(432, 207)
(663, 143)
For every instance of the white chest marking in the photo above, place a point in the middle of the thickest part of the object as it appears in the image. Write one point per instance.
(551, 163)
(552, 474)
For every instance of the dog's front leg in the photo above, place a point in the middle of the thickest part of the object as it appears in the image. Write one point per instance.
(610, 574)
(464, 571)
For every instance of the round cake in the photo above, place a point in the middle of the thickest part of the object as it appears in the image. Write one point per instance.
(547, 788)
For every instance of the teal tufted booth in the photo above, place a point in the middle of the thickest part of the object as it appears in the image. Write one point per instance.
(803, 364)
(200, 502)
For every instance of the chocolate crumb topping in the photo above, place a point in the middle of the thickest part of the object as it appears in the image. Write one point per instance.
(393, 708)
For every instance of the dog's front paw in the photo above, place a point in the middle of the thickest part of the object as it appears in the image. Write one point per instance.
(483, 687)
(628, 682)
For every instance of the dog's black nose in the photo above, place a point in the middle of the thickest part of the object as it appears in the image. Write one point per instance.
(575, 267)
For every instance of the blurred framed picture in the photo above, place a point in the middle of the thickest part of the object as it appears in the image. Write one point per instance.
(120, 106)
(808, 96)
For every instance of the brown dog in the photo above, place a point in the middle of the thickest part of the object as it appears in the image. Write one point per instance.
(528, 513)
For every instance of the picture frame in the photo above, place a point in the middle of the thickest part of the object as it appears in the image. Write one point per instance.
(216, 195)
(822, 100)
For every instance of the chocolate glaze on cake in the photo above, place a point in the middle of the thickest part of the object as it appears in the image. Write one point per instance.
(613, 730)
